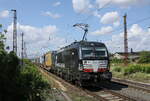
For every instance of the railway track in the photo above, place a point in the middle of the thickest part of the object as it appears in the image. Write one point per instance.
(136, 93)
(136, 85)
(98, 93)
(106, 95)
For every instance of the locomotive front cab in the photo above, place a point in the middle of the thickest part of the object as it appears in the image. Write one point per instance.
(94, 62)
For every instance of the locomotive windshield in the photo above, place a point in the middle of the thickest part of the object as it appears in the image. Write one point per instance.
(93, 52)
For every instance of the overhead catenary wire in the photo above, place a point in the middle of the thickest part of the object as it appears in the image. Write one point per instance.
(136, 22)
(98, 9)
(105, 5)
(84, 20)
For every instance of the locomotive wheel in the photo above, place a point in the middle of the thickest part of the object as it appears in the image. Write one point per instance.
(78, 83)
(61, 75)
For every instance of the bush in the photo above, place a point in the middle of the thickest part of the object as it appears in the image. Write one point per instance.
(117, 69)
(137, 68)
(144, 57)
(32, 82)
(20, 83)
(115, 60)
(9, 72)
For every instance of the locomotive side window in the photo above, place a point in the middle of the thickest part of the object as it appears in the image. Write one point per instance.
(60, 58)
(74, 58)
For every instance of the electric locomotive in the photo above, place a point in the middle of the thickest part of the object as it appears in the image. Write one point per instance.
(83, 63)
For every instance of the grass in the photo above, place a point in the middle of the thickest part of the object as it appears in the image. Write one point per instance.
(137, 72)
(74, 95)
(143, 68)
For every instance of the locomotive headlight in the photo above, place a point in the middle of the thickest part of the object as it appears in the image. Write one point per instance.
(80, 67)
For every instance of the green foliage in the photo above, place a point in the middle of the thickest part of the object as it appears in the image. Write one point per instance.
(137, 68)
(117, 69)
(2, 38)
(0, 25)
(144, 57)
(138, 76)
(20, 84)
(115, 60)
(32, 82)
(9, 71)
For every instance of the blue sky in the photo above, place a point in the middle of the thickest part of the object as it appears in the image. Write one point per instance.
(47, 24)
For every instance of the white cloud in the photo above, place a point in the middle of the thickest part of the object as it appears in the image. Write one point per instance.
(122, 3)
(36, 38)
(111, 18)
(56, 3)
(81, 6)
(4, 14)
(95, 13)
(138, 39)
(53, 15)
(103, 31)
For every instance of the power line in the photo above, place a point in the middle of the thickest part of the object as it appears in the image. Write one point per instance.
(99, 9)
(105, 5)
(139, 21)
(136, 22)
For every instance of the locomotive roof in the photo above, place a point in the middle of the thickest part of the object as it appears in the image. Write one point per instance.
(83, 43)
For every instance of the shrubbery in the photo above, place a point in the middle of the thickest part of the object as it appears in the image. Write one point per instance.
(144, 57)
(9, 73)
(115, 60)
(117, 69)
(20, 83)
(32, 82)
(137, 68)
(143, 68)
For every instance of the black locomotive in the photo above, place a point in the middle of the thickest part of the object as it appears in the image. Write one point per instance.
(83, 63)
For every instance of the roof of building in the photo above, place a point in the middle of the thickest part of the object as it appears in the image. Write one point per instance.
(129, 53)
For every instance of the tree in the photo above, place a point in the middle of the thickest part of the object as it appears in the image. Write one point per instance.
(2, 38)
(0, 25)
(19, 83)
(144, 57)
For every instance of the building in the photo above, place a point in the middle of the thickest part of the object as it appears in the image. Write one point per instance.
(131, 55)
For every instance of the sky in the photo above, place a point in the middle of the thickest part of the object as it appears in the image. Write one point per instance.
(48, 24)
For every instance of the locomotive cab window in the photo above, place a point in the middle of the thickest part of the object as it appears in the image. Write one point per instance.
(93, 52)
(101, 52)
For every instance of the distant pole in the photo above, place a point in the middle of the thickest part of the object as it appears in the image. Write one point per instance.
(22, 48)
(25, 50)
(125, 41)
(14, 31)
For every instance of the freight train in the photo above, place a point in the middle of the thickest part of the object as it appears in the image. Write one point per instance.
(83, 63)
